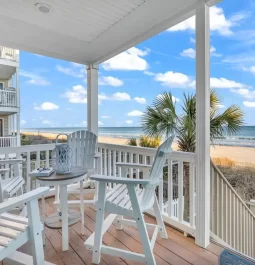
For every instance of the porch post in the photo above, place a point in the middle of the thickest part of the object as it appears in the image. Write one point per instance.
(92, 98)
(202, 125)
(18, 106)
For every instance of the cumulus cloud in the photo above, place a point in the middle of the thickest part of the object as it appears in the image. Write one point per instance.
(110, 81)
(249, 104)
(135, 113)
(78, 94)
(225, 83)
(106, 117)
(23, 122)
(218, 22)
(46, 106)
(191, 53)
(128, 60)
(35, 79)
(174, 79)
(244, 92)
(100, 123)
(140, 100)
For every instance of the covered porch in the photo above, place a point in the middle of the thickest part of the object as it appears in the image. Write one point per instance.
(89, 34)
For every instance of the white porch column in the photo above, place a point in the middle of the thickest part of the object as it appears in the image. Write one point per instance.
(18, 105)
(92, 98)
(203, 125)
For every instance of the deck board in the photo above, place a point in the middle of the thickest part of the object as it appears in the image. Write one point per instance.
(177, 250)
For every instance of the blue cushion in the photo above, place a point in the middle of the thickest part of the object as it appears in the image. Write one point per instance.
(229, 258)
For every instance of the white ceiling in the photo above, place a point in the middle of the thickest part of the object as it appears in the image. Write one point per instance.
(6, 71)
(87, 31)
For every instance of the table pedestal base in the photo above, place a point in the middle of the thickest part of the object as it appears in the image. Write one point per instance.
(54, 221)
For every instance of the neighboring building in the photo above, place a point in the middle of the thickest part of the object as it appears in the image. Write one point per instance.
(9, 98)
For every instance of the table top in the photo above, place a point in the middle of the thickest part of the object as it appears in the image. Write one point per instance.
(76, 172)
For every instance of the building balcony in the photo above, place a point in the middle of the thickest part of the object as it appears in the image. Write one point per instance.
(9, 54)
(8, 98)
(8, 141)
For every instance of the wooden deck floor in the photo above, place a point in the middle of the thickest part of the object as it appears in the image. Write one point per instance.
(177, 250)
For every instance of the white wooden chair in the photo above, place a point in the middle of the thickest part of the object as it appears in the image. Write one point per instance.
(15, 230)
(11, 180)
(83, 144)
(128, 199)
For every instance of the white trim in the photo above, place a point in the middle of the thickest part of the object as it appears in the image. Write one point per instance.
(203, 125)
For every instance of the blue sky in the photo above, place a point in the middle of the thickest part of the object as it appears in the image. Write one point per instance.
(53, 92)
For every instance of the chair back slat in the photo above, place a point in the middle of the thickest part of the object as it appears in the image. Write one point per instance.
(156, 174)
(83, 144)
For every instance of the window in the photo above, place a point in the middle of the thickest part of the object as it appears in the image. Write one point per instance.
(1, 85)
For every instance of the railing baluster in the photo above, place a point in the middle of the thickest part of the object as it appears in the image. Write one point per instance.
(192, 194)
(170, 188)
(180, 192)
(28, 178)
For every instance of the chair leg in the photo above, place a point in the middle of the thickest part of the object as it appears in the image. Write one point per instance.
(99, 223)
(119, 226)
(35, 232)
(82, 207)
(160, 222)
(148, 251)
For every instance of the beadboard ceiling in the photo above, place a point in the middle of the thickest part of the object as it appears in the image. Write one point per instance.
(87, 31)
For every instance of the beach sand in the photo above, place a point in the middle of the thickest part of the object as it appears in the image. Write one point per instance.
(236, 153)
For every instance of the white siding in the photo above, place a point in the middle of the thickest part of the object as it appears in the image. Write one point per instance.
(5, 119)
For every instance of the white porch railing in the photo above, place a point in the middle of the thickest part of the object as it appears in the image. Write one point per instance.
(8, 53)
(232, 222)
(8, 98)
(8, 141)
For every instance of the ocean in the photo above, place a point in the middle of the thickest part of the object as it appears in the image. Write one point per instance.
(246, 136)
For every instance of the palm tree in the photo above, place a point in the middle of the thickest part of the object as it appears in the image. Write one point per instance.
(162, 119)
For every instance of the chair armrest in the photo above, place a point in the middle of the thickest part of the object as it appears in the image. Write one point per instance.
(25, 198)
(118, 180)
(4, 170)
(132, 165)
(97, 155)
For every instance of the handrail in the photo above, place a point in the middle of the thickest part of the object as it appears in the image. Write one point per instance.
(231, 220)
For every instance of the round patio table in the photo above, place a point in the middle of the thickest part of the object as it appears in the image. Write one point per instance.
(63, 218)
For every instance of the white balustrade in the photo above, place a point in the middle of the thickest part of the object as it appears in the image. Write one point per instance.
(8, 141)
(8, 53)
(8, 98)
(232, 222)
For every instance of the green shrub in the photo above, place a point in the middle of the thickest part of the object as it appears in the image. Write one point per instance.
(132, 142)
(151, 142)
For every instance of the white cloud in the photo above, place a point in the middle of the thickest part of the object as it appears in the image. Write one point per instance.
(149, 73)
(221, 106)
(172, 79)
(244, 92)
(129, 122)
(110, 81)
(140, 100)
(218, 22)
(250, 69)
(23, 122)
(106, 117)
(71, 72)
(46, 106)
(120, 96)
(78, 94)
(135, 113)
(192, 40)
(35, 79)
(249, 104)
(191, 53)
(225, 83)
(128, 60)
(100, 123)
